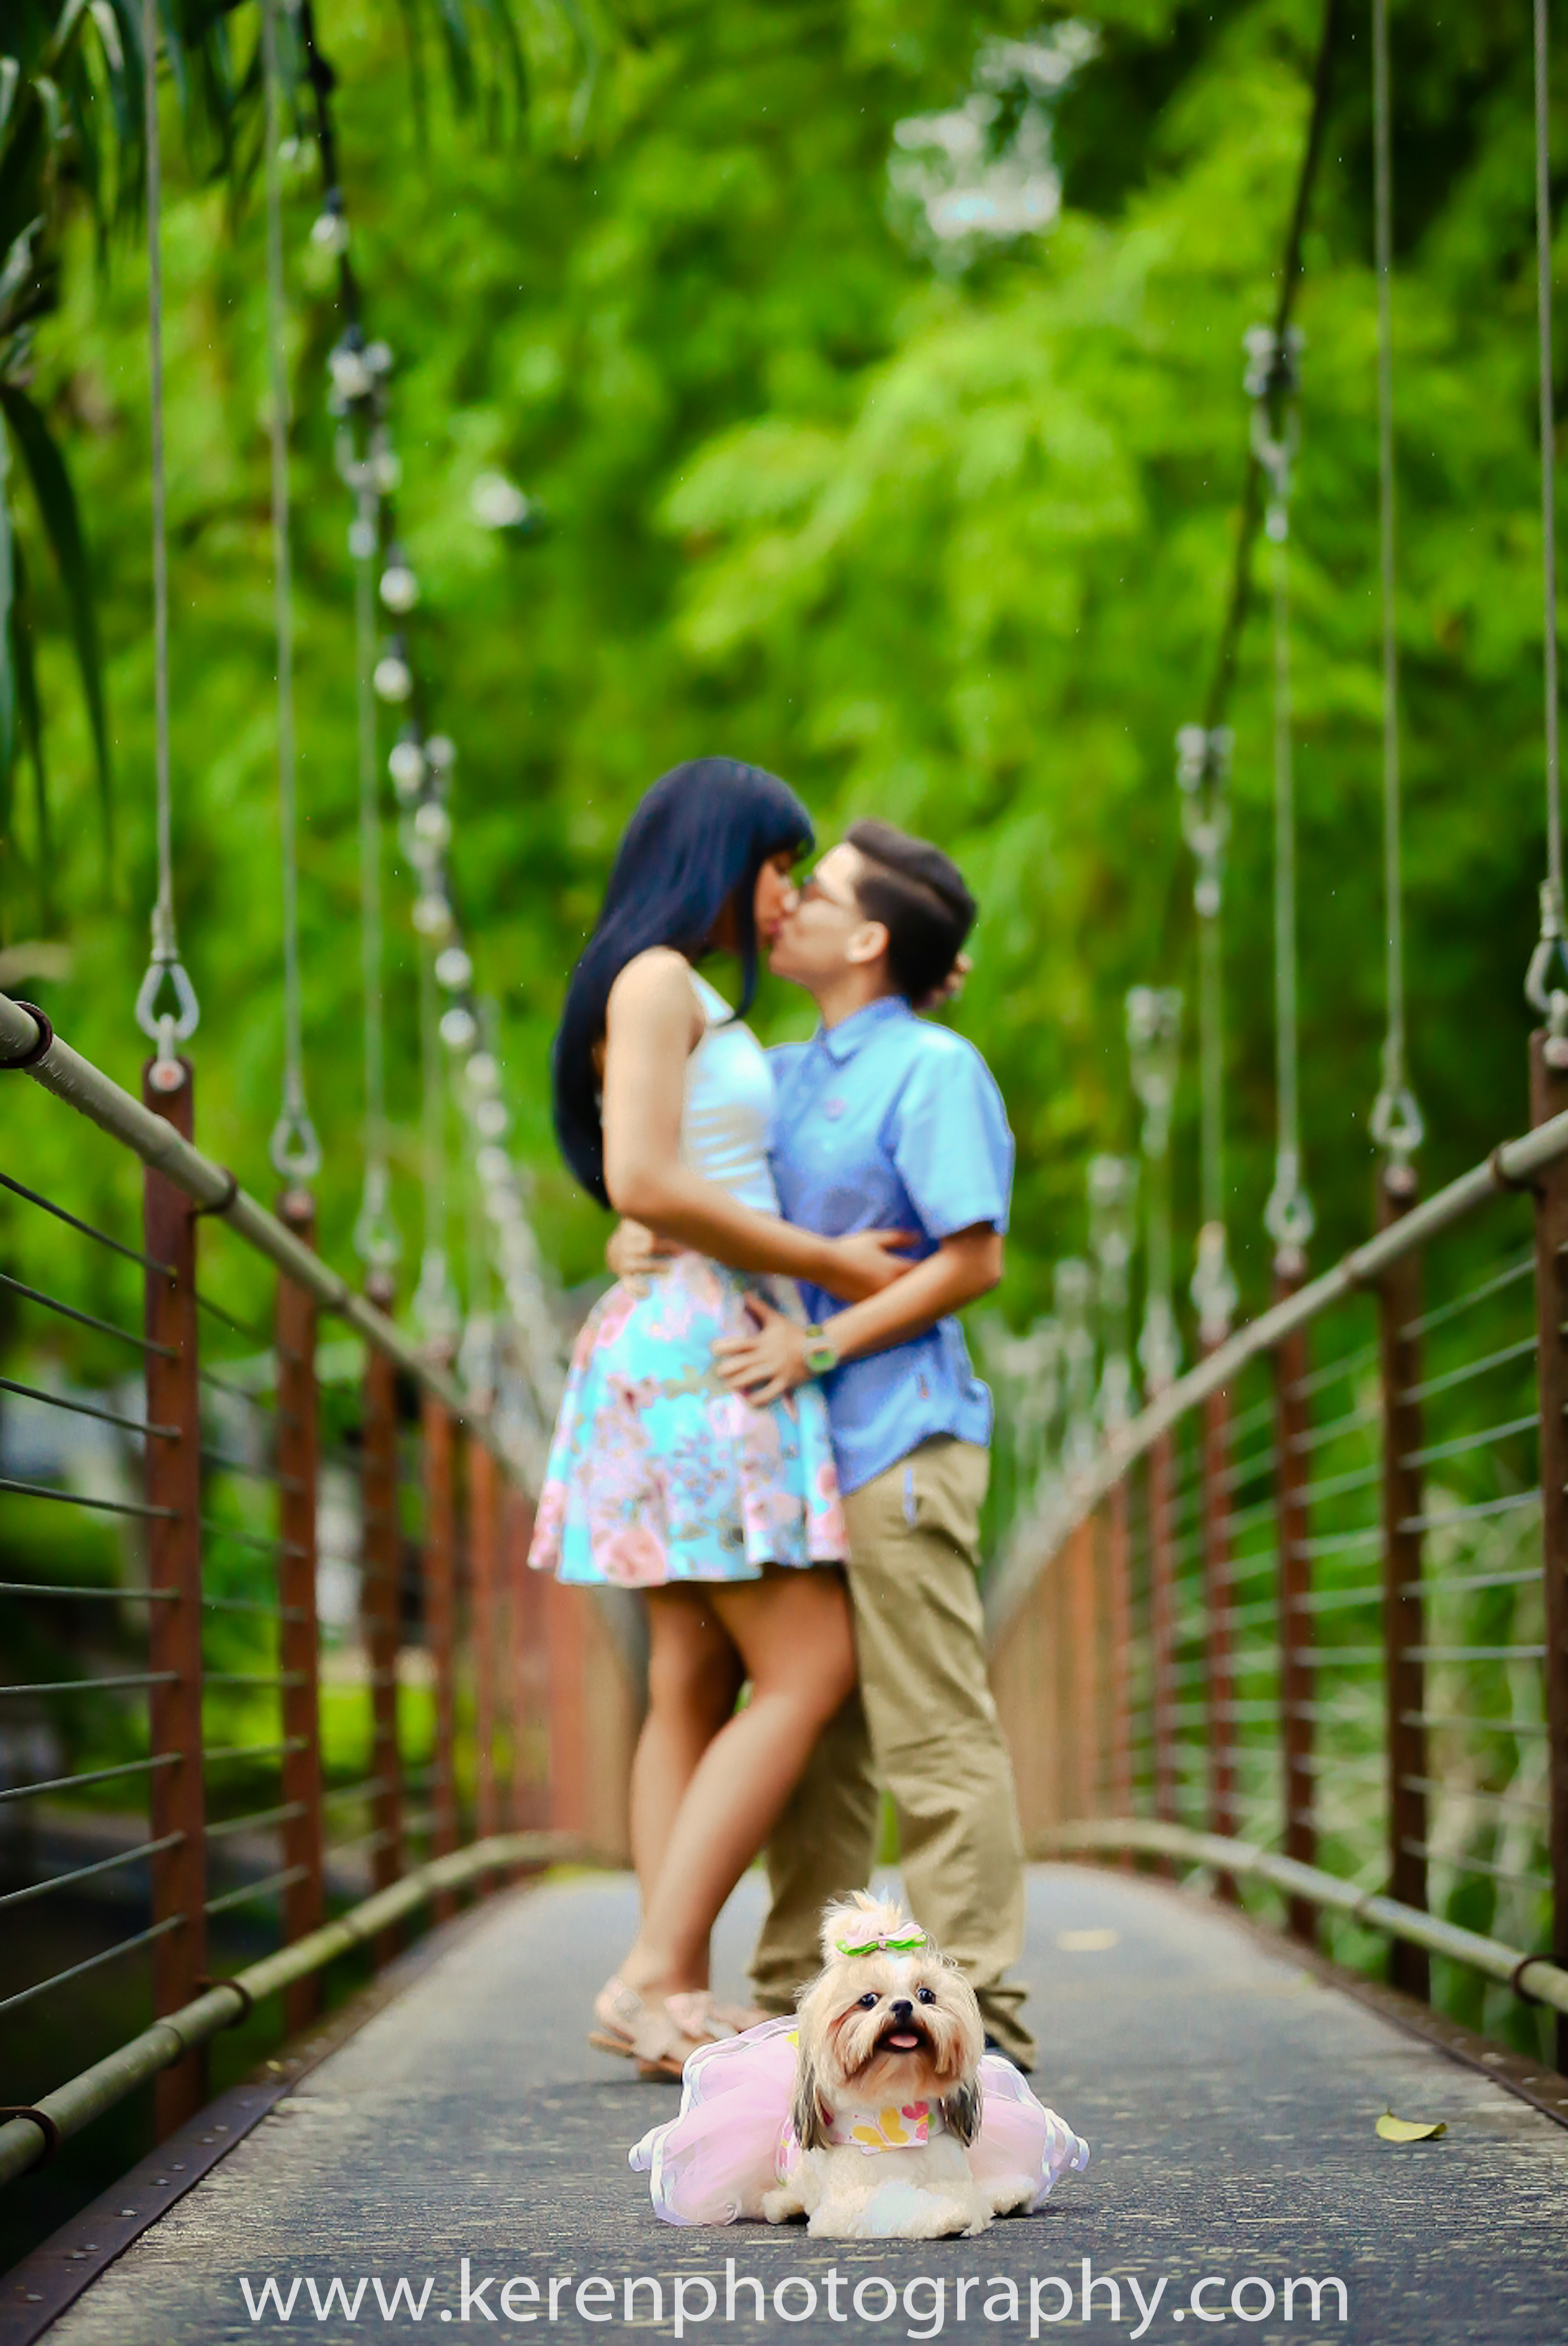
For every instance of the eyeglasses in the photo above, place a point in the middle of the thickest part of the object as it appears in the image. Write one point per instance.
(811, 887)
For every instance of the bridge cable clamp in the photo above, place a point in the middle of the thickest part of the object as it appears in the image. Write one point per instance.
(1551, 999)
(1525, 1185)
(30, 1055)
(45, 2124)
(165, 1028)
(220, 1205)
(207, 1981)
(1516, 1976)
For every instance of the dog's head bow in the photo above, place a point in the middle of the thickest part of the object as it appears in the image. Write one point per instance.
(884, 1943)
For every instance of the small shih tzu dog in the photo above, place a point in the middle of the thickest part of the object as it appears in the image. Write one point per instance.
(888, 2091)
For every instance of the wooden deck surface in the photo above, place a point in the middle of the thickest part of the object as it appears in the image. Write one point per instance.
(1228, 2095)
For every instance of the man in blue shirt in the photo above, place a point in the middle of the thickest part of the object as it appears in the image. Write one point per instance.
(885, 1121)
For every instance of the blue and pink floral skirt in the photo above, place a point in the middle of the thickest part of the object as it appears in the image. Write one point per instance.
(657, 1472)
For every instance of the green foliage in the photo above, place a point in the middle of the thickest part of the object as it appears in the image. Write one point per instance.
(73, 145)
(53, 89)
(954, 544)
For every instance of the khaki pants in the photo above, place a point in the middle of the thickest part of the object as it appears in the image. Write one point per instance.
(923, 1723)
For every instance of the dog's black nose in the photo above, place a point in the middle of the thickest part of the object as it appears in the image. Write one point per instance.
(902, 2008)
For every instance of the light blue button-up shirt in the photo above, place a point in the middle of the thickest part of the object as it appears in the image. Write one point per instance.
(886, 1122)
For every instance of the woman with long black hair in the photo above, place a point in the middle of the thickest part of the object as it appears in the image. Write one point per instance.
(725, 1514)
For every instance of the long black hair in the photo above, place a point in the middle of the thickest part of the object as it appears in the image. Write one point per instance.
(699, 837)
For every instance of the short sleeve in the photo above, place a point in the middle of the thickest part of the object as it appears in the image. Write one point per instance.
(950, 1142)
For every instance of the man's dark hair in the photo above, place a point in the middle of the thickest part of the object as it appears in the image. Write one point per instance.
(918, 894)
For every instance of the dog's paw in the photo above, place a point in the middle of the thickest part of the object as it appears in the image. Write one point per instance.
(958, 2218)
(1009, 2195)
(833, 2221)
(781, 2206)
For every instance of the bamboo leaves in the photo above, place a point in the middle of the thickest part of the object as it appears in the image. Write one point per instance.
(7, 667)
(57, 504)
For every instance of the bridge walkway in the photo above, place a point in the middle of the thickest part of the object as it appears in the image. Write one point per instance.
(1230, 2095)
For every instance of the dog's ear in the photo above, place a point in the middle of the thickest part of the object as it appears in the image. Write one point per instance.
(806, 2109)
(962, 2109)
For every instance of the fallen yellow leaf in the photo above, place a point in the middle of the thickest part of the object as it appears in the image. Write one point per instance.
(1393, 2129)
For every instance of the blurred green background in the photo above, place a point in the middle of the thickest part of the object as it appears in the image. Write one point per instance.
(935, 526)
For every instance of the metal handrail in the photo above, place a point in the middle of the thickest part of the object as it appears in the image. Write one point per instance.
(1040, 1534)
(81, 1085)
(24, 2141)
(1547, 1982)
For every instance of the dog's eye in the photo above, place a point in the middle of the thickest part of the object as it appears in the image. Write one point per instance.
(870, 1999)
(925, 1996)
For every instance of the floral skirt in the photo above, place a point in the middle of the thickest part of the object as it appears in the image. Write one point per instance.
(657, 1471)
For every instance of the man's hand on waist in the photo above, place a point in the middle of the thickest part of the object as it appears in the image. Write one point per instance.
(966, 1265)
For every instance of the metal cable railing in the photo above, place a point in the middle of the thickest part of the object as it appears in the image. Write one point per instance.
(190, 1752)
(1381, 1715)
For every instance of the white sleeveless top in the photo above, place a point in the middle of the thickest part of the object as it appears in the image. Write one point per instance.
(729, 1105)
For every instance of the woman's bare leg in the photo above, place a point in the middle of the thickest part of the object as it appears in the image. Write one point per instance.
(695, 1675)
(793, 1633)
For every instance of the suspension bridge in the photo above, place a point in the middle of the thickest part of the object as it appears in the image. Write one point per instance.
(339, 1788)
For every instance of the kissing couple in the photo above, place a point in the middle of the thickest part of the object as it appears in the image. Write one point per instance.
(771, 1426)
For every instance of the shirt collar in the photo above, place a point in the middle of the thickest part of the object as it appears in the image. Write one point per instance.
(842, 1041)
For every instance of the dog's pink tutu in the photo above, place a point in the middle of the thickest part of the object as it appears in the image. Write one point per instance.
(733, 2140)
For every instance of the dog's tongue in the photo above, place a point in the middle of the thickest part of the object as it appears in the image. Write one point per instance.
(906, 2041)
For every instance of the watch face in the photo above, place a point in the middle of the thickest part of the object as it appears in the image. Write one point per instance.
(821, 1358)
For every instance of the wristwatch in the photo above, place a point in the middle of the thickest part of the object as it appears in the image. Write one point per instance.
(822, 1352)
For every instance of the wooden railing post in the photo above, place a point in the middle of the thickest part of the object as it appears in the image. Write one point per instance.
(1069, 1709)
(380, 1604)
(1297, 1789)
(1549, 1096)
(1085, 1675)
(565, 1637)
(439, 1561)
(1162, 1625)
(1218, 1598)
(304, 1895)
(483, 1530)
(527, 1674)
(1119, 1607)
(173, 1481)
(1404, 1610)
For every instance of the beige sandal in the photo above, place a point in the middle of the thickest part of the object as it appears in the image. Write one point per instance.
(701, 2014)
(648, 2033)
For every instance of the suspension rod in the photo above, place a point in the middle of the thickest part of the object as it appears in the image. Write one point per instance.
(1511, 1166)
(81, 1085)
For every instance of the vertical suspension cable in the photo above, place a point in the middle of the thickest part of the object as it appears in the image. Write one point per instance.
(1203, 771)
(375, 1233)
(1211, 1002)
(1545, 988)
(369, 828)
(1548, 445)
(1153, 1046)
(1273, 383)
(434, 1304)
(1289, 1193)
(477, 1354)
(294, 1149)
(1396, 1122)
(169, 1026)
